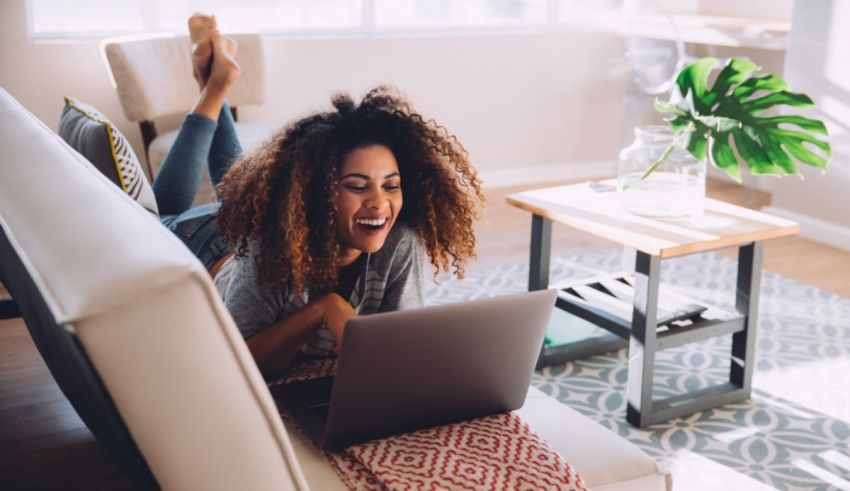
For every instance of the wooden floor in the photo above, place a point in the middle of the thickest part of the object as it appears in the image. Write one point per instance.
(45, 446)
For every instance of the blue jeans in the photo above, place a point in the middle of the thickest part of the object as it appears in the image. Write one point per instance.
(201, 144)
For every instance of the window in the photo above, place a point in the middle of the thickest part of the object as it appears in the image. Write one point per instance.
(467, 13)
(52, 18)
(98, 18)
(579, 11)
(263, 15)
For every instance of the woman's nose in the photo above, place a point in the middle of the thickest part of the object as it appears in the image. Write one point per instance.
(375, 200)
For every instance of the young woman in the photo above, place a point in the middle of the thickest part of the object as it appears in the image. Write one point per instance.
(332, 217)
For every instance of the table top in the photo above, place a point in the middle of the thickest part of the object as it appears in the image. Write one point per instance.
(601, 214)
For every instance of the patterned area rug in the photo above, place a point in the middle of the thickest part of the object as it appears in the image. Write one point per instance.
(794, 433)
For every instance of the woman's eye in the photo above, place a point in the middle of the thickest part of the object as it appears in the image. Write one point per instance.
(356, 189)
(392, 187)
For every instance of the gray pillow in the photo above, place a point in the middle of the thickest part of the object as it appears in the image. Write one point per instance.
(89, 132)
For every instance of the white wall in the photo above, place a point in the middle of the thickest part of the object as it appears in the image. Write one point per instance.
(540, 102)
(817, 64)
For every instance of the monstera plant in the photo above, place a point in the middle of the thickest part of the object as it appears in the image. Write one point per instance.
(726, 123)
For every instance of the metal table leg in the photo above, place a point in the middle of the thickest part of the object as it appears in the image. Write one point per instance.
(642, 343)
(538, 279)
(541, 248)
(538, 263)
(746, 303)
(642, 410)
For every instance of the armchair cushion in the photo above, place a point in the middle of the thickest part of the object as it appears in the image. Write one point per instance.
(91, 134)
(153, 73)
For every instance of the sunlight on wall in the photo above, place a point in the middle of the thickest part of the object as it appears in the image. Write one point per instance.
(836, 115)
(837, 35)
(835, 102)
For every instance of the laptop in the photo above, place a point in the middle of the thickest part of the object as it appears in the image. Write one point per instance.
(413, 369)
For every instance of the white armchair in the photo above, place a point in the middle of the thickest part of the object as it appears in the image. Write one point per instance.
(153, 76)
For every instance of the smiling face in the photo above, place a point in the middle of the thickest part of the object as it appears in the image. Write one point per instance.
(369, 200)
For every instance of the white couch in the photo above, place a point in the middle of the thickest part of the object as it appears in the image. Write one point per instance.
(136, 336)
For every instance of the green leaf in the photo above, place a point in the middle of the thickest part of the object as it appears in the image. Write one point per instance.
(736, 71)
(800, 137)
(693, 80)
(723, 156)
(787, 135)
(796, 147)
(777, 155)
(812, 125)
(668, 107)
(719, 124)
(753, 154)
(679, 123)
(773, 83)
(709, 121)
(697, 143)
(788, 98)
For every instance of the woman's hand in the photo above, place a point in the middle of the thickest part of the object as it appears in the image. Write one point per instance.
(335, 312)
(274, 348)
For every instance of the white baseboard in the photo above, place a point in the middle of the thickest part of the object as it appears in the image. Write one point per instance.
(815, 229)
(500, 178)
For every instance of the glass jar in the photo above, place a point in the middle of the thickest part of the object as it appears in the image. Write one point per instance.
(675, 189)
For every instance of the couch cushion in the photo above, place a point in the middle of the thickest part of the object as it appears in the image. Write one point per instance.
(603, 459)
(92, 134)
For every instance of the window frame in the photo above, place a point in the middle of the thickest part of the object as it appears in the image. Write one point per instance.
(366, 29)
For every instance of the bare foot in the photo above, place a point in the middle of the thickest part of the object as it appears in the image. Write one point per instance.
(201, 28)
(224, 70)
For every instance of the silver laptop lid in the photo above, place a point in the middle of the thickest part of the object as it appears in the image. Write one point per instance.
(407, 370)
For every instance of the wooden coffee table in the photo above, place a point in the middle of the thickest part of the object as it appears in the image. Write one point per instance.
(628, 305)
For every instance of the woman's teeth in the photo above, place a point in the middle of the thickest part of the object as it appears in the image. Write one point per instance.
(378, 222)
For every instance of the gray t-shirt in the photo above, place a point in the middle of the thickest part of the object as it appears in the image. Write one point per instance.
(392, 279)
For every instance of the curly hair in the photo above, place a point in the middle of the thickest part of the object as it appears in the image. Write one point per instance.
(282, 197)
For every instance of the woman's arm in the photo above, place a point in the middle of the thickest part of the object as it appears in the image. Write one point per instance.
(274, 348)
(273, 336)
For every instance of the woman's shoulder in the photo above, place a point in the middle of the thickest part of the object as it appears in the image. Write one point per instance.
(402, 236)
(243, 274)
(402, 248)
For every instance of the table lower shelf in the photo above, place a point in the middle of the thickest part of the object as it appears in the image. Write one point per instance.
(692, 402)
(607, 302)
(557, 354)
